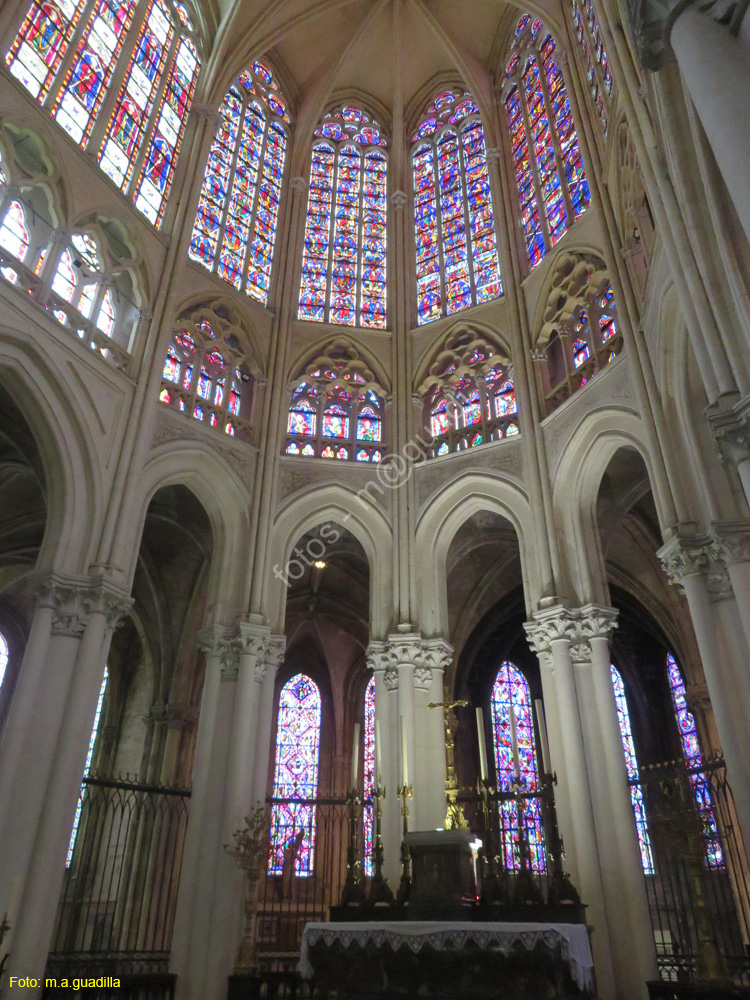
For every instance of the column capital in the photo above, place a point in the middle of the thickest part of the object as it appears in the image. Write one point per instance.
(548, 625)
(75, 599)
(596, 621)
(298, 184)
(212, 637)
(399, 199)
(405, 648)
(651, 23)
(699, 555)
(729, 418)
(577, 626)
(254, 638)
(207, 113)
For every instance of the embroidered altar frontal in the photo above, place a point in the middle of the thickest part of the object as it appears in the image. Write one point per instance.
(449, 960)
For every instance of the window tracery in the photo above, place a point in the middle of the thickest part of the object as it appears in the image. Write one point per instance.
(454, 225)
(631, 763)
(295, 779)
(598, 73)
(235, 228)
(87, 767)
(581, 333)
(66, 54)
(344, 255)
(208, 371)
(552, 186)
(633, 210)
(337, 410)
(469, 396)
(368, 776)
(691, 751)
(516, 761)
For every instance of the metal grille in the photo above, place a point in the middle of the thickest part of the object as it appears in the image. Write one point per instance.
(700, 911)
(117, 907)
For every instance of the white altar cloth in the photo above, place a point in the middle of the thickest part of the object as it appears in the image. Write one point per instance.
(571, 940)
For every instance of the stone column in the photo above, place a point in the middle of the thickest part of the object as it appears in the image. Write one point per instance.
(551, 633)
(697, 567)
(58, 693)
(430, 771)
(386, 714)
(633, 951)
(715, 66)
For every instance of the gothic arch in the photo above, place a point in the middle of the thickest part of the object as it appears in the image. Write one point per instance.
(438, 523)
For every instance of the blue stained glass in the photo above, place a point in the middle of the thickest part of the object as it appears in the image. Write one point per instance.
(368, 424)
(86, 767)
(335, 422)
(694, 759)
(369, 774)
(302, 419)
(580, 352)
(295, 777)
(510, 694)
(631, 764)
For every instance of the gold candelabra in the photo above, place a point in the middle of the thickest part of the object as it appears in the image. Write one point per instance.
(250, 848)
(404, 889)
(380, 891)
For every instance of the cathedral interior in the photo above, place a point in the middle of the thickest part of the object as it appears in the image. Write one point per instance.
(375, 466)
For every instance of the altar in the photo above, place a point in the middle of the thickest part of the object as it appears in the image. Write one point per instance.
(448, 959)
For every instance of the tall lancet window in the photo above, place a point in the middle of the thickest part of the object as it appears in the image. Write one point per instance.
(5, 656)
(454, 226)
(631, 763)
(238, 212)
(87, 767)
(67, 54)
(552, 185)
(516, 761)
(598, 73)
(694, 759)
(344, 255)
(295, 778)
(369, 773)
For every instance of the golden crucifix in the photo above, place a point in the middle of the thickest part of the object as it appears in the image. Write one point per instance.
(454, 817)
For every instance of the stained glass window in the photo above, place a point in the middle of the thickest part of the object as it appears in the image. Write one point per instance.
(691, 751)
(454, 226)
(631, 763)
(14, 237)
(235, 229)
(86, 768)
(328, 420)
(598, 73)
(344, 255)
(295, 777)
(67, 53)
(369, 774)
(515, 762)
(4, 657)
(476, 408)
(552, 185)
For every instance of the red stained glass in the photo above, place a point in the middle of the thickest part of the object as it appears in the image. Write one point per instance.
(41, 43)
(368, 770)
(631, 763)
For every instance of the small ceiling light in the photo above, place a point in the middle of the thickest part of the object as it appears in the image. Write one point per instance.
(319, 564)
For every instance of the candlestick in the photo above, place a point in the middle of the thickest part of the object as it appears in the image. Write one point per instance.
(514, 744)
(355, 756)
(378, 762)
(543, 735)
(482, 747)
(404, 761)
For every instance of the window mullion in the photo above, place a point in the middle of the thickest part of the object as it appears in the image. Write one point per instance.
(467, 218)
(256, 197)
(359, 267)
(533, 163)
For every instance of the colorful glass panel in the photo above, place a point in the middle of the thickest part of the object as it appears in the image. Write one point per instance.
(581, 352)
(86, 768)
(368, 774)
(691, 751)
(4, 657)
(64, 282)
(344, 255)
(36, 53)
(368, 424)
(105, 321)
(505, 400)
(631, 763)
(134, 102)
(302, 419)
(510, 695)
(335, 422)
(582, 37)
(566, 133)
(295, 777)
(157, 173)
(14, 237)
(89, 75)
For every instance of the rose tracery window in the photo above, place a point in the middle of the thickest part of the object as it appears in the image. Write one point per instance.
(238, 213)
(68, 52)
(454, 225)
(344, 255)
(552, 186)
(206, 376)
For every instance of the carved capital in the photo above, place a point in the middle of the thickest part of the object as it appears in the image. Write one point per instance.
(398, 200)
(549, 625)
(74, 600)
(377, 656)
(390, 679)
(494, 155)
(145, 314)
(730, 423)
(422, 678)
(207, 113)
(255, 639)
(683, 557)
(59, 237)
(538, 356)
(596, 622)
(212, 638)
(298, 184)
(733, 541)
(576, 626)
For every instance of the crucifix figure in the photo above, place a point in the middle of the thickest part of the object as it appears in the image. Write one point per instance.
(454, 817)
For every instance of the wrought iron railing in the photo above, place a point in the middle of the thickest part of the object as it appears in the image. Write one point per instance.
(699, 892)
(117, 906)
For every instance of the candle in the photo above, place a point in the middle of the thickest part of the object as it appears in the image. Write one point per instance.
(404, 763)
(543, 735)
(378, 762)
(355, 756)
(514, 744)
(482, 746)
